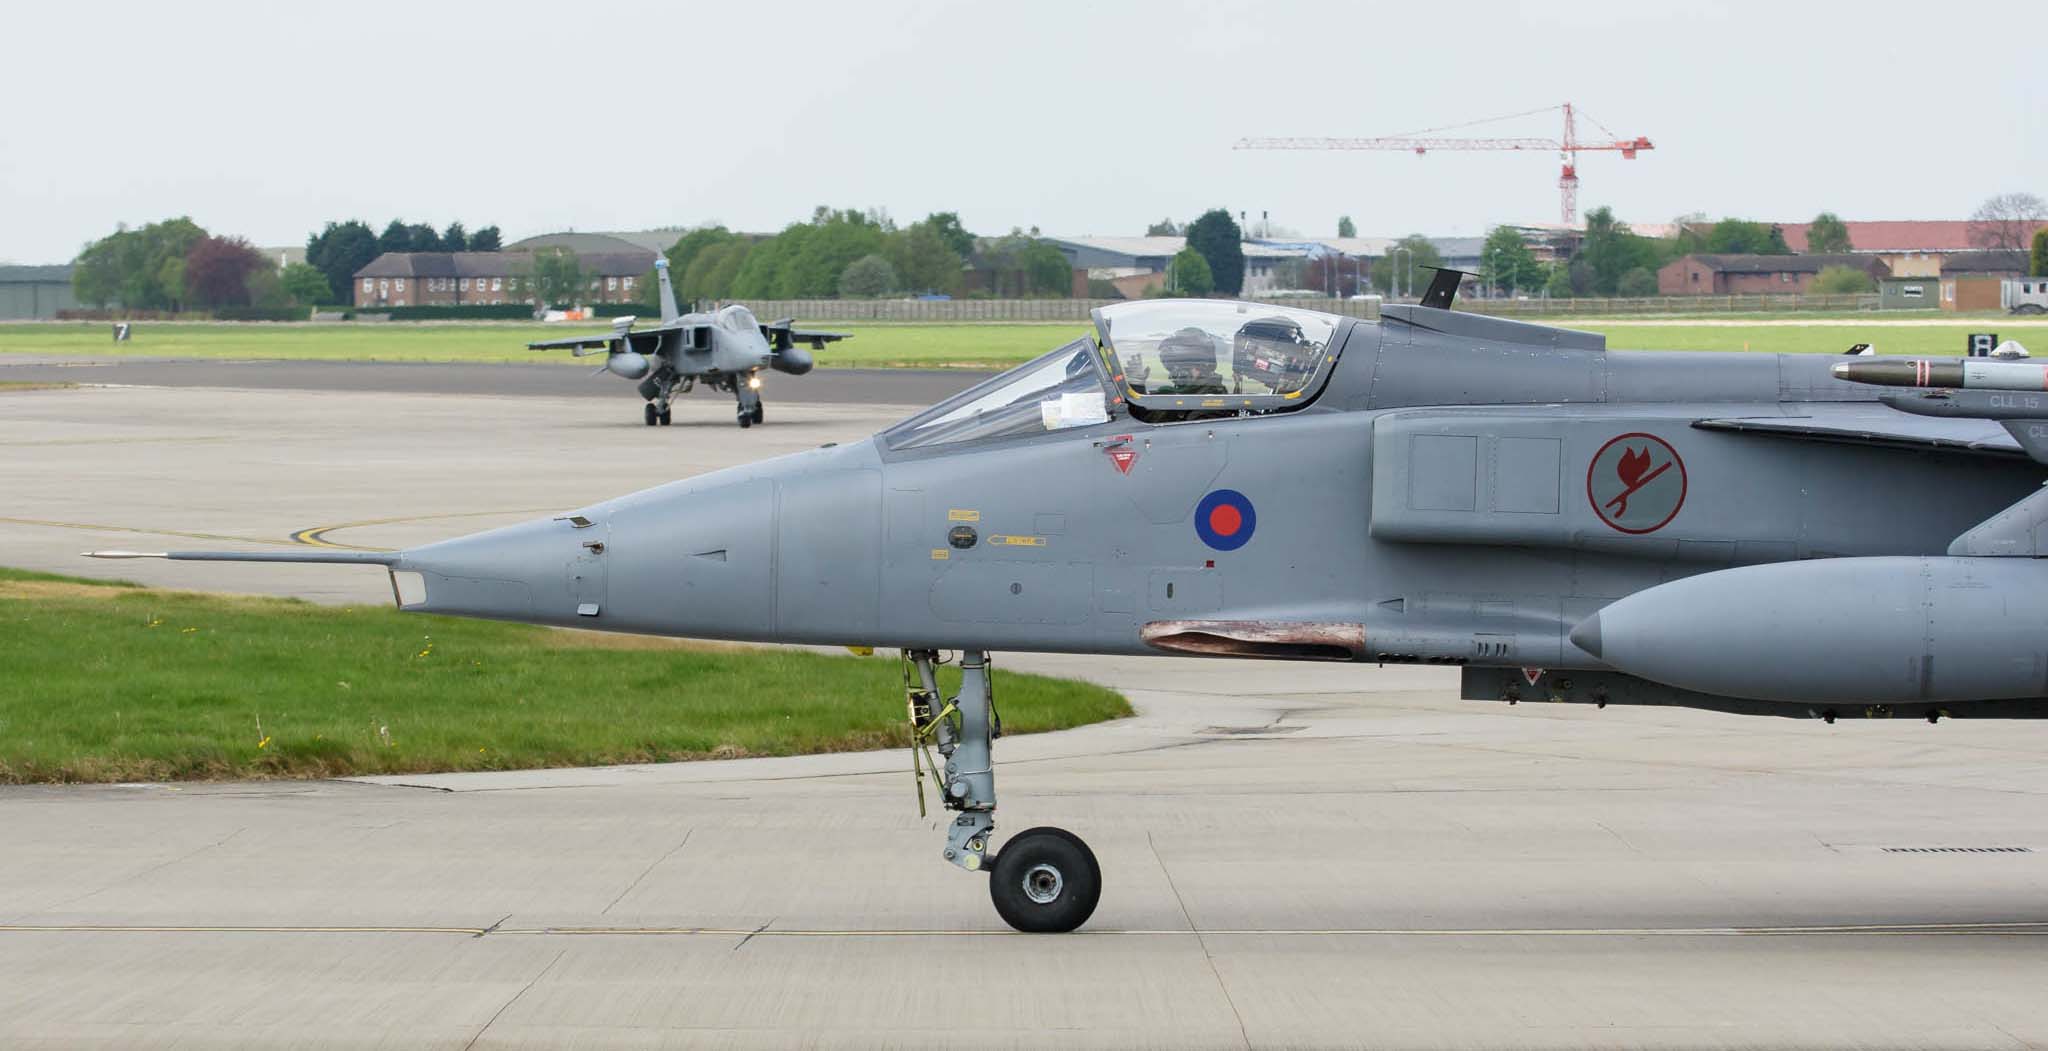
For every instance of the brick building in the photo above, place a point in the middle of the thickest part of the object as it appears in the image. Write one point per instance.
(1911, 247)
(401, 279)
(1728, 275)
(1972, 280)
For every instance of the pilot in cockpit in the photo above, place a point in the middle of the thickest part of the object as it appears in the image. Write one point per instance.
(1190, 358)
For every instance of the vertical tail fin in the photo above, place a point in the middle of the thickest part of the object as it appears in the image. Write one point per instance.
(668, 292)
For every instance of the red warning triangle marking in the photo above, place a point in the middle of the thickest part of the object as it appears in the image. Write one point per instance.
(1123, 459)
(1530, 675)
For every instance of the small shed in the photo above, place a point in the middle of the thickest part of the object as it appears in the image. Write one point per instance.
(1908, 293)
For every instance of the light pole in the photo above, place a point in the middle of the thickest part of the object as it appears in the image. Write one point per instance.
(1394, 279)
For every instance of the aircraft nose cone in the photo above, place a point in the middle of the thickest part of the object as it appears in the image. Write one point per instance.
(514, 573)
(1587, 635)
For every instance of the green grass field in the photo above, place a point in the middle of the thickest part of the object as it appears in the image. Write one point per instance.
(1834, 337)
(873, 345)
(111, 682)
(980, 346)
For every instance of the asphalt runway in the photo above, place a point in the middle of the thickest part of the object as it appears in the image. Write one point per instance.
(820, 387)
(1295, 855)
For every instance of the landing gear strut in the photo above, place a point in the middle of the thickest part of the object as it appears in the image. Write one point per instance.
(749, 402)
(657, 389)
(1045, 880)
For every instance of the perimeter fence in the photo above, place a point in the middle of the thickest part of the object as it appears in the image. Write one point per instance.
(972, 311)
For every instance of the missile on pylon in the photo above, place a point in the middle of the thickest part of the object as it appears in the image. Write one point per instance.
(1964, 374)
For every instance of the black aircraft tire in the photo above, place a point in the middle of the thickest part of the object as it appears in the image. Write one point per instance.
(746, 420)
(652, 414)
(664, 417)
(760, 412)
(1045, 881)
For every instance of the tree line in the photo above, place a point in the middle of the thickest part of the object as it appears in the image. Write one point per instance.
(177, 265)
(864, 253)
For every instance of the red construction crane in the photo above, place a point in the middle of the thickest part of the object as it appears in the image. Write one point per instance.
(1569, 147)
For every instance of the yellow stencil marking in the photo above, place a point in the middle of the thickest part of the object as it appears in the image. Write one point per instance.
(958, 515)
(940, 554)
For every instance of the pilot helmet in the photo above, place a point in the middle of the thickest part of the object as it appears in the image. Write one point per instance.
(1189, 350)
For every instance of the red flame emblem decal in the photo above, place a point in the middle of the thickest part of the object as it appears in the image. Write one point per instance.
(1633, 463)
(1636, 483)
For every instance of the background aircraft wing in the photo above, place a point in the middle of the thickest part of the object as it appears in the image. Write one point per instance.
(783, 334)
(643, 341)
(575, 343)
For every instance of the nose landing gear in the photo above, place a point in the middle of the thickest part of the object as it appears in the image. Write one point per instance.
(749, 398)
(1045, 880)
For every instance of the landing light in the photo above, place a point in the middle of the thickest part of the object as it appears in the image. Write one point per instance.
(753, 383)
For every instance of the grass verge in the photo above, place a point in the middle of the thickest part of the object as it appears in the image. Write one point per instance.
(972, 346)
(1946, 340)
(874, 345)
(112, 682)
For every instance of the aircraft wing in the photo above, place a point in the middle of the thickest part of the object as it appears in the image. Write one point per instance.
(575, 343)
(643, 341)
(783, 333)
(1867, 424)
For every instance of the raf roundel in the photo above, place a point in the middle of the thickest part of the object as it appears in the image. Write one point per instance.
(1225, 520)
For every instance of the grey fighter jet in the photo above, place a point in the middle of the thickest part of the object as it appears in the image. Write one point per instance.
(725, 350)
(1742, 533)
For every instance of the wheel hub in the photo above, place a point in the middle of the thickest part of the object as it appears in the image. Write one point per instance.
(1043, 883)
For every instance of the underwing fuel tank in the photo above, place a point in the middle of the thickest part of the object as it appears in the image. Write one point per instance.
(794, 360)
(627, 364)
(1843, 630)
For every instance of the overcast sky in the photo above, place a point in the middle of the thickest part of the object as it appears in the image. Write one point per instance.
(266, 119)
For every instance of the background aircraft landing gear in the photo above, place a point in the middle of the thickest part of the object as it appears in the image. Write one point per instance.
(749, 403)
(1045, 880)
(653, 415)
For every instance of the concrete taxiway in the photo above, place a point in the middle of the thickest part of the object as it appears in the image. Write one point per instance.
(556, 378)
(1295, 855)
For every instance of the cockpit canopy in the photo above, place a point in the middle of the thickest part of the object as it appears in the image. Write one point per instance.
(738, 320)
(1158, 362)
(1205, 354)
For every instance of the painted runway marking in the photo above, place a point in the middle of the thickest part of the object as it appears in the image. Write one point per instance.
(316, 536)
